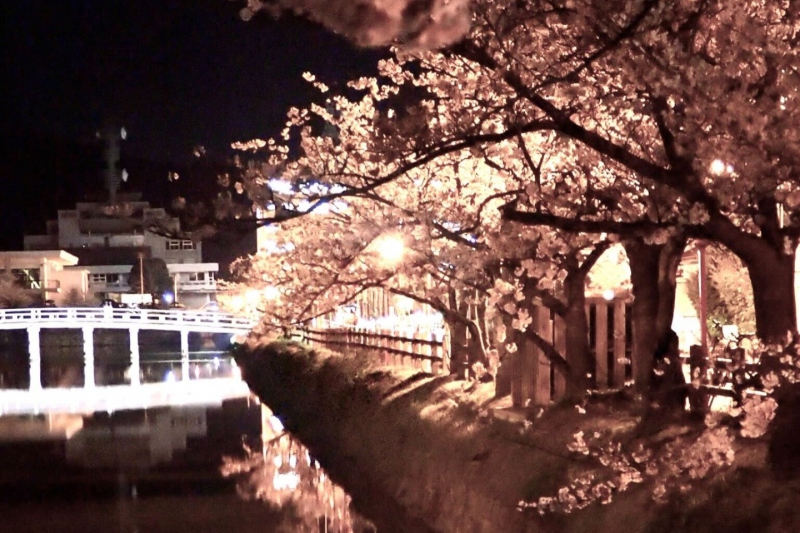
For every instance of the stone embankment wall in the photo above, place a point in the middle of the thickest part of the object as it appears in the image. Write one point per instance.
(416, 461)
(405, 471)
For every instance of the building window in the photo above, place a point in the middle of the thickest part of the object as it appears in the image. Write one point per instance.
(99, 278)
(176, 244)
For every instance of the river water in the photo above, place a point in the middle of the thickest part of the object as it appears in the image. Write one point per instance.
(214, 468)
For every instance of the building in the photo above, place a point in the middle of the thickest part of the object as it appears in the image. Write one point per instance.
(48, 274)
(108, 240)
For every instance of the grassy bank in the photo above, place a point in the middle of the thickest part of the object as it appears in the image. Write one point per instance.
(423, 453)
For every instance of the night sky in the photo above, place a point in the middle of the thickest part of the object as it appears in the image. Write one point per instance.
(175, 73)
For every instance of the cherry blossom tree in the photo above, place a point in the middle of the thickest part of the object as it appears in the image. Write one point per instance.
(447, 213)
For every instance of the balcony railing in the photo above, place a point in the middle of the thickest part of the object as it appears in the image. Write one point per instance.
(113, 286)
(199, 285)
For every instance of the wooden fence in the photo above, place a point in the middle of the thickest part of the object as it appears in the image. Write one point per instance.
(534, 381)
(422, 349)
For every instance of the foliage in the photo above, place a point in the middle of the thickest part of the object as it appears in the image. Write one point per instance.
(612, 272)
(730, 294)
(12, 294)
(674, 466)
(374, 23)
(599, 121)
(75, 298)
(155, 275)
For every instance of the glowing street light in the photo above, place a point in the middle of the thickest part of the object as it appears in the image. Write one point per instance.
(391, 249)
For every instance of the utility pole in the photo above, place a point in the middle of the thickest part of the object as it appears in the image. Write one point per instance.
(141, 274)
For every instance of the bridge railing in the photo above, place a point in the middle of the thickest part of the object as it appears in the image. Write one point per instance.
(422, 349)
(97, 315)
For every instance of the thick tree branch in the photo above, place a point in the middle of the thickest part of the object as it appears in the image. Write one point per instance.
(625, 229)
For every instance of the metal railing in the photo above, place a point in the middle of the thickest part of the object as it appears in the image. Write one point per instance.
(109, 317)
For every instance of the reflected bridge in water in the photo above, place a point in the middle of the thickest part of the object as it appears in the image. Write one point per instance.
(204, 392)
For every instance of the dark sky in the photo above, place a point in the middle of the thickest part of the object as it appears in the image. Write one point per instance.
(176, 73)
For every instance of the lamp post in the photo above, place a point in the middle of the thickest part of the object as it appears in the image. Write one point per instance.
(141, 274)
(702, 282)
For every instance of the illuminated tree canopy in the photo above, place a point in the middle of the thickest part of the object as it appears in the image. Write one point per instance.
(551, 128)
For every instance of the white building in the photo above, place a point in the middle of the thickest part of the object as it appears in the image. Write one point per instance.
(108, 239)
(48, 274)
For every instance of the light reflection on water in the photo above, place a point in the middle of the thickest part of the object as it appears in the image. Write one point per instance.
(168, 469)
(284, 474)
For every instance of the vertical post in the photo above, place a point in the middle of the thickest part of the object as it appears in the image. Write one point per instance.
(35, 357)
(601, 345)
(135, 365)
(702, 280)
(560, 344)
(427, 364)
(544, 328)
(141, 275)
(185, 354)
(619, 343)
(88, 356)
(525, 371)
(44, 279)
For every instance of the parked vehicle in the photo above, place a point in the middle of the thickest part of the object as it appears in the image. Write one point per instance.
(211, 306)
(108, 302)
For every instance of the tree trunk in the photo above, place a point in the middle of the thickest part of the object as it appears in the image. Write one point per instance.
(772, 277)
(578, 354)
(654, 269)
(459, 338)
(770, 263)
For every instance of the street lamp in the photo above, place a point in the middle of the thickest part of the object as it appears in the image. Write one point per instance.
(390, 248)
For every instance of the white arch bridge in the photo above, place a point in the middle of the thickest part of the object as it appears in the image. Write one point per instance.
(117, 397)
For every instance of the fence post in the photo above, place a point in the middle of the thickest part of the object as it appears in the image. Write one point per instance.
(601, 345)
(408, 346)
(446, 350)
(525, 370)
(560, 344)
(544, 327)
(427, 349)
(619, 343)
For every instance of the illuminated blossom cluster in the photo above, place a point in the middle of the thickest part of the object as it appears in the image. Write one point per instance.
(415, 23)
(671, 467)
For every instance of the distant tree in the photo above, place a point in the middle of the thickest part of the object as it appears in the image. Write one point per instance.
(154, 274)
(75, 298)
(730, 294)
(12, 294)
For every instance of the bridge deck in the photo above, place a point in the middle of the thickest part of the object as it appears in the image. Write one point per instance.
(107, 317)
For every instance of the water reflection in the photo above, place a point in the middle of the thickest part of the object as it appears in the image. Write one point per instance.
(283, 473)
(168, 469)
